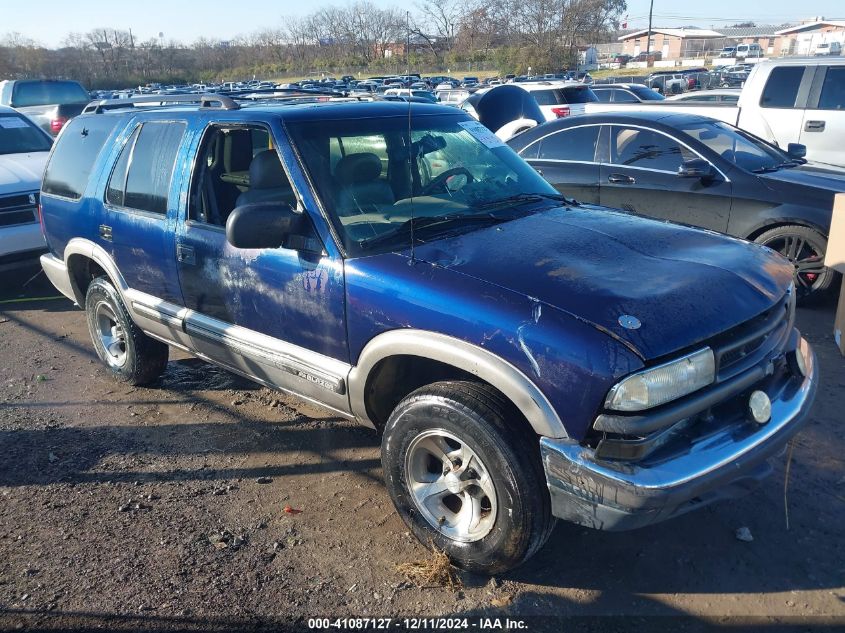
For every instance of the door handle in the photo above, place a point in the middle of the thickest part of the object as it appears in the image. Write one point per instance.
(185, 254)
(621, 179)
(814, 126)
(105, 232)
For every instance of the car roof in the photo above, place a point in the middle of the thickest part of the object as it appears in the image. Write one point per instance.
(623, 86)
(656, 118)
(299, 111)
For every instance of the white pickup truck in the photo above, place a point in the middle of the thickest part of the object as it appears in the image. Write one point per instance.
(800, 100)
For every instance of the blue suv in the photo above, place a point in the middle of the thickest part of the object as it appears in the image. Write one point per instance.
(523, 356)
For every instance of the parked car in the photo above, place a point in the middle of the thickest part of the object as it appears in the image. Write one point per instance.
(667, 82)
(405, 92)
(698, 171)
(744, 51)
(50, 103)
(558, 99)
(725, 95)
(612, 370)
(728, 52)
(24, 148)
(828, 48)
(625, 93)
(648, 56)
(622, 59)
(773, 106)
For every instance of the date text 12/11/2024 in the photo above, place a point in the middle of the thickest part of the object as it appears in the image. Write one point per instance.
(418, 624)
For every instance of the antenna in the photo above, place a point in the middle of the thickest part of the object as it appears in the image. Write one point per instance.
(411, 158)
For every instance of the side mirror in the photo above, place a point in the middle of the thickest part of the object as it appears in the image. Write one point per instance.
(266, 225)
(696, 168)
(796, 150)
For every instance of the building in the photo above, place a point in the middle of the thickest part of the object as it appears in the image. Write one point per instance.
(803, 38)
(767, 36)
(671, 43)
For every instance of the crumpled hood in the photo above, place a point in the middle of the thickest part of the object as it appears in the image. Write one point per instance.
(683, 284)
(21, 172)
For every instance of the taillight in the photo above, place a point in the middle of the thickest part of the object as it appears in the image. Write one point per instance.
(57, 124)
(561, 111)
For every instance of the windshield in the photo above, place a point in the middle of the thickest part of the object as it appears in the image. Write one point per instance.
(372, 180)
(34, 93)
(19, 135)
(737, 147)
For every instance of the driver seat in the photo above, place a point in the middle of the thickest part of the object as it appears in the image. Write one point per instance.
(361, 190)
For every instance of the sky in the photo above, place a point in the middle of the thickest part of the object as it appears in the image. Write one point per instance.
(49, 21)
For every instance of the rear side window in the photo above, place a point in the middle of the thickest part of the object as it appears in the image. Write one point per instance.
(149, 156)
(782, 87)
(76, 151)
(576, 144)
(578, 95)
(603, 95)
(833, 90)
(623, 96)
(546, 97)
(34, 93)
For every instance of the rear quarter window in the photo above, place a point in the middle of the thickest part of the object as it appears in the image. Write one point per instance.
(75, 153)
(578, 95)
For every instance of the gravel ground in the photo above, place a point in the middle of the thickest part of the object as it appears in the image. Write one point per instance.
(210, 503)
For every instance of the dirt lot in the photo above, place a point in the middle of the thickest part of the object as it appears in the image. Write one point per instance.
(166, 507)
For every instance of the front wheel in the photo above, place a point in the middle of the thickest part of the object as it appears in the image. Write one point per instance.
(805, 248)
(463, 469)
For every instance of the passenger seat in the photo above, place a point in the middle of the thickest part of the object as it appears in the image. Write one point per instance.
(267, 181)
(361, 190)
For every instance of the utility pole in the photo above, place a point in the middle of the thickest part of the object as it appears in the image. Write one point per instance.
(648, 35)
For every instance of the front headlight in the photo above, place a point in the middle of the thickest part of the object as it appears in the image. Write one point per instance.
(664, 383)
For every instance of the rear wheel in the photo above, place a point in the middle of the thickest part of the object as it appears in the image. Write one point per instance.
(805, 248)
(463, 469)
(130, 355)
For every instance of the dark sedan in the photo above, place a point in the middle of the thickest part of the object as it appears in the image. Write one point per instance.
(697, 171)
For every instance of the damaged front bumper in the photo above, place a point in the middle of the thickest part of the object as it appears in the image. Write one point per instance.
(618, 495)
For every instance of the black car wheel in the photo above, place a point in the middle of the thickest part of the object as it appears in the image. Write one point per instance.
(131, 355)
(463, 469)
(805, 248)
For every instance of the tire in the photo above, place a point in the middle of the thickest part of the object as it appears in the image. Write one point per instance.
(130, 355)
(805, 248)
(512, 507)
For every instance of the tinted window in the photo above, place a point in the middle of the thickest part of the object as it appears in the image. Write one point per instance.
(782, 87)
(578, 94)
(18, 135)
(647, 94)
(117, 181)
(31, 93)
(623, 96)
(576, 144)
(833, 89)
(77, 148)
(545, 97)
(603, 95)
(151, 167)
(637, 147)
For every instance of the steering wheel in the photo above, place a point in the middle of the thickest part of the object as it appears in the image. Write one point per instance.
(440, 181)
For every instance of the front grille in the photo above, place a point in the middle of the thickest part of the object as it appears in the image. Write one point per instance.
(19, 209)
(748, 343)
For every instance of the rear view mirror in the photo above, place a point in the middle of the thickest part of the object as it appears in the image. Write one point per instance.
(696, 168)
(266, 225)
(796, 150)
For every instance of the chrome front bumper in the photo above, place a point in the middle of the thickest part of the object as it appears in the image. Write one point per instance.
(618, 495)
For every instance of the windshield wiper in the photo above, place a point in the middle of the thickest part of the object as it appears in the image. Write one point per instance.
(526, 197)
(784, 165)
(439, 221)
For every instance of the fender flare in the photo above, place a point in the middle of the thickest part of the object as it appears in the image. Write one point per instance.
(94, 252)
(515, 385)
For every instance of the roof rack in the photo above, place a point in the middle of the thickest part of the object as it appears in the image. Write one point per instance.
(204, 100)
